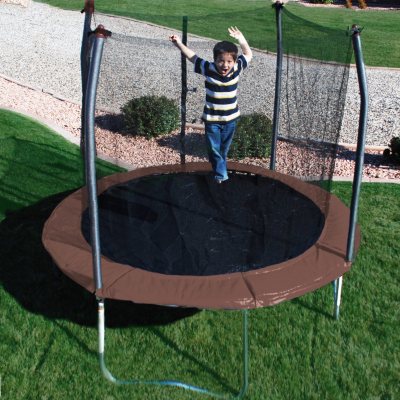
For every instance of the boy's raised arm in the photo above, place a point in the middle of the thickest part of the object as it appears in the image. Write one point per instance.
(188, 53)
(246, 50)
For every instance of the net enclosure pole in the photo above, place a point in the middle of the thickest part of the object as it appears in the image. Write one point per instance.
(362, 129)
(90, 149)
(85, 60)
(357, 179)
(88, 10)
(278, 83)
(184, 90)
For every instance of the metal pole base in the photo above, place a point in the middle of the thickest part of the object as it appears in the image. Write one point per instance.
(337, 294)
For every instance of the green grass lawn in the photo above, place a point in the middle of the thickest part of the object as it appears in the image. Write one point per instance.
(32, 167)
(210, 18)
(48, 335)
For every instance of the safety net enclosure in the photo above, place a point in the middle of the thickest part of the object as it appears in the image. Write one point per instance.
(167, 233)
(139, 62)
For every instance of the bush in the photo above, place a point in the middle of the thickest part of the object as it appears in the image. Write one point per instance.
(253, 137)
(151, 116)
(393, 151)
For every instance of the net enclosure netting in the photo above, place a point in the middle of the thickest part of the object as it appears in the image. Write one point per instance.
(140, 61)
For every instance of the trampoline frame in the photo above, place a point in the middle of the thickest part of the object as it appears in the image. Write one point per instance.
(89, 98)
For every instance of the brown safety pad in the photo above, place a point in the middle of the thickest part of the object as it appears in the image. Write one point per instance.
(316, 267)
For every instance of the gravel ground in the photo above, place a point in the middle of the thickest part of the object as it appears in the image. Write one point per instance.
(42, 55)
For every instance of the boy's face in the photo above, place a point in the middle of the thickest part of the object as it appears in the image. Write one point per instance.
(224, 63)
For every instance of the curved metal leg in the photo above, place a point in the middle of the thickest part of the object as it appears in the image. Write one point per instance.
(109, 376)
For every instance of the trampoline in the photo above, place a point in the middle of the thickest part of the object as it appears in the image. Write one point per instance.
(171, 236)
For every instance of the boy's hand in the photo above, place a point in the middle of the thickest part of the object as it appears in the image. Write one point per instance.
(175, 39)
(188, 53)
(235, 33)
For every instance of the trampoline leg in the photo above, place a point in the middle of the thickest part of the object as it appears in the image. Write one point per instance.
(101, 332)
(245, 382)
(337, 288)
(107, 374)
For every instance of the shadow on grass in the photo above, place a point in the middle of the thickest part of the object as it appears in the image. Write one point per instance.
(28, 273)
(314, 309)
(195, 361)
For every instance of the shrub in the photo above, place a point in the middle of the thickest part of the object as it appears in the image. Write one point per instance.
(253, 137)
(151, 116)
(394, 149)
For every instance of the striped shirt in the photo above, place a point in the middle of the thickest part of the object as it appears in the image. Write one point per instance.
(221, 101)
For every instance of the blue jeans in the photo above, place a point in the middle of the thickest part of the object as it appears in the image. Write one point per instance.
(219, 138)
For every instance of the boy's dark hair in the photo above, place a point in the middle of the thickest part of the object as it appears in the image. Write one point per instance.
(225, 47)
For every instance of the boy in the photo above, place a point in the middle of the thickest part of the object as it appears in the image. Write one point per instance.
(221, 111)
